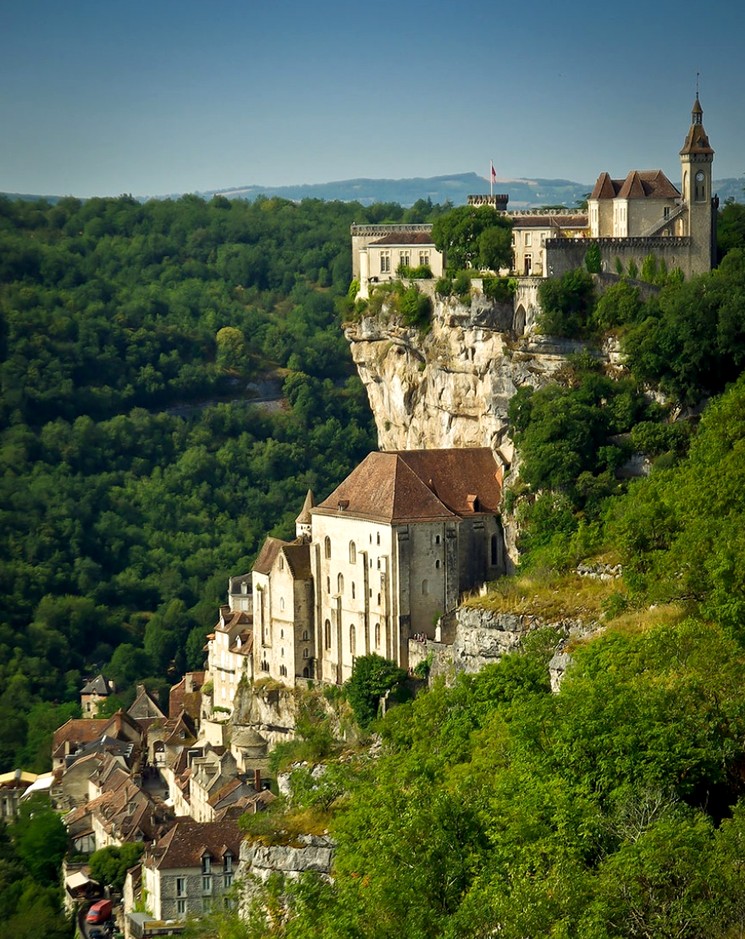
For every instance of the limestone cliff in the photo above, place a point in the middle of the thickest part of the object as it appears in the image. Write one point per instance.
(452, 386)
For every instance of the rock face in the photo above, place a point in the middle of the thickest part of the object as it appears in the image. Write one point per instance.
(306, 853)
(452, 386)
(481, 637)
(268, 709)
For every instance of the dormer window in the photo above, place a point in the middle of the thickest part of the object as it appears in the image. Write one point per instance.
(343, 504)
(206, 864)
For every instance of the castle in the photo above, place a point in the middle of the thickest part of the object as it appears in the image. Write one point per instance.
(628, 219)
(372, 568)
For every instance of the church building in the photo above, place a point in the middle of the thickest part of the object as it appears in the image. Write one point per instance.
(372, 566)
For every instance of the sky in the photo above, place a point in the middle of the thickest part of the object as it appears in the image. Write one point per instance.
(101, 98)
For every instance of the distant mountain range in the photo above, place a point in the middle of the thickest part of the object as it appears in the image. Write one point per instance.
(523, 193)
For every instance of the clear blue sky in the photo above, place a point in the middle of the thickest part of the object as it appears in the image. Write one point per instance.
(100, 97)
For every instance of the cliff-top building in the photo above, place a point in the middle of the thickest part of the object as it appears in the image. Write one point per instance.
(629, 219)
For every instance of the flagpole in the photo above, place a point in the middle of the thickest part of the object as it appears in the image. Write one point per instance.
(491, 180)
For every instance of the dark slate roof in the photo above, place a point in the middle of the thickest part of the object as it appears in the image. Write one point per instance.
(405, 238)
(98, 685)
(298, 560)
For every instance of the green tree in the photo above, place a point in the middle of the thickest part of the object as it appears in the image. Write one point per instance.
(566, 304)
(40, 839)
(372, 676)
(109, 865)
(459, 234)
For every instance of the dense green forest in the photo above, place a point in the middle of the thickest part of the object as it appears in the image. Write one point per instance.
(136, 474)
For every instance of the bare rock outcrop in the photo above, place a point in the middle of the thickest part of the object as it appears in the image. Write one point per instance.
(452, 386)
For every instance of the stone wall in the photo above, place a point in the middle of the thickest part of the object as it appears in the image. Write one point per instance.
(306, 853)
(481, 637)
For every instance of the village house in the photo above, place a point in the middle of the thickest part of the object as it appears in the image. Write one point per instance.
(191, 869)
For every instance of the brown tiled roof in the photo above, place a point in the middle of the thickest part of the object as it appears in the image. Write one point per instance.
(233, 619)
(696, 140)
(77, 731)
(247, 643)
(298, 560)
(605, 187)
(304, 517)
(458, 473)
(188, 841)
(639, 184)
(418, 485)
(405, 238)
(268, 555)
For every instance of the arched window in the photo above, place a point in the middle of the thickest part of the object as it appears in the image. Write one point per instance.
(352, 553)
(377, 635)
(340, 584)
(281, 603)
(305, 653)
(353, 590)
(352, 640)
(327, 634)
(305, 635)
(425, 587)
(437, 564)
(327, 547)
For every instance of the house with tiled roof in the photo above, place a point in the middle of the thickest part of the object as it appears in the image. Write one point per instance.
(230, 654)
(283, 611)
(379, 252)
(191, 869)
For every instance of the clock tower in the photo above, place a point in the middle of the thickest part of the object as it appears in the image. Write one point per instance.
(696, 160)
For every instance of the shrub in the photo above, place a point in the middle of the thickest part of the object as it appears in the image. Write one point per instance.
(499, 289)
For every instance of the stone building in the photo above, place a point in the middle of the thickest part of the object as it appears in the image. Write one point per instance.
(629, 219)
(375, 564)
(191, 869)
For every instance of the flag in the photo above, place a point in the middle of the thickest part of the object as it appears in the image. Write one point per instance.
(493, 172)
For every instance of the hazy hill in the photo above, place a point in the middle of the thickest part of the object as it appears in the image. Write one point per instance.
(523, 193)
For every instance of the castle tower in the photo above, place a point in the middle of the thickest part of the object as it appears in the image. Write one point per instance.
(696, 160)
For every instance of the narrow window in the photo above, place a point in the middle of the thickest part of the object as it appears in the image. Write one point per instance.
(327, 634)
(327, 547)
(352, 640)
(352, 553)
